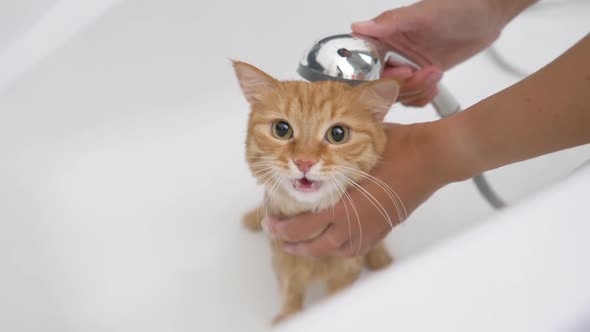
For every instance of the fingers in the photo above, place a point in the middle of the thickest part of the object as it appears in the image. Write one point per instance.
(420, 88)
(313, 234)
(421, 80)
(422, 99)
(326, 244)
(370, 28)
(300, 228)
(386, 23)
(360, 245)
(399, 73)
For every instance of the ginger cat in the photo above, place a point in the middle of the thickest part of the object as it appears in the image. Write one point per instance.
(306, 142)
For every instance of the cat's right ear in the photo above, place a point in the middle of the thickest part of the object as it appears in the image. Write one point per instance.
(379, 95)
(253, 81)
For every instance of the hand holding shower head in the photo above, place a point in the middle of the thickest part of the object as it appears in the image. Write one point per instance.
(354, 58)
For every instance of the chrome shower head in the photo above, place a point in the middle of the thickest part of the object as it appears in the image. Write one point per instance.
(350, 58)
(354, 58)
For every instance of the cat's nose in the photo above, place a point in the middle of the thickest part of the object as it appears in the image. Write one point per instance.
(304, 165)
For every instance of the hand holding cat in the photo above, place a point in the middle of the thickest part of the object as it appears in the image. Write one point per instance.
(408, 175)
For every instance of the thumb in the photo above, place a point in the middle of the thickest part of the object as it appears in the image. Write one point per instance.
(386, 23)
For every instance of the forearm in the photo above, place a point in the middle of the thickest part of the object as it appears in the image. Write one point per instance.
(546, 112)
(508, 9)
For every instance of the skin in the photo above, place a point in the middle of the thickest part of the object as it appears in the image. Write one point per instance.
(437, 35)
(521, 122)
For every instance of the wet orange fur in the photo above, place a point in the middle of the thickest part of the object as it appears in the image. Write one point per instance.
(311, 109)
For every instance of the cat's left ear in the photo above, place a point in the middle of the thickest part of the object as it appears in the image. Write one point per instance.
(379, 95)
(253, 81)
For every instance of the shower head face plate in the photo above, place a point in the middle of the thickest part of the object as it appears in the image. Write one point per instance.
(348, 58)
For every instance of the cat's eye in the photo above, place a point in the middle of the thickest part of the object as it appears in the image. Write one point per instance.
(337, 134)
(282, 130)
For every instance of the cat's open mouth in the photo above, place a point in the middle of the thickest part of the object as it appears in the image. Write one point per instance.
(306, 185)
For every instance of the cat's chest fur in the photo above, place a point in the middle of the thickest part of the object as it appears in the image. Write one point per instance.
(283, 205)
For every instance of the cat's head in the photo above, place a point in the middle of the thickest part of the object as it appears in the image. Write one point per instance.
(308, 138)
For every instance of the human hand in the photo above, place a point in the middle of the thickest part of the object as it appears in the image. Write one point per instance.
(436, 34)
(412, 165)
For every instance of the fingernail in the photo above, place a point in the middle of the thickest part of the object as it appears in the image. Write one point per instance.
(403, 75)
(434, 78)
(290, 248)
(364, 24)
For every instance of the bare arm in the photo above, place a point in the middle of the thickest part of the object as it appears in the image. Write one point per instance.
(509, 8)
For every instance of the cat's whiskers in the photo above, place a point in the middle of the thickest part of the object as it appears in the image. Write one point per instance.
(358, 220)
(263, 169)
(259, 157)
(262, 163)
(266, 175)
(273, 175)
(370, 198)
(395, 198)
(334, 201)
(345, 208)
(269, 194)
(254, 161)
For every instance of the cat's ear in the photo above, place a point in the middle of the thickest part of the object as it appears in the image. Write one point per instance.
(253, 81)
(379, 95)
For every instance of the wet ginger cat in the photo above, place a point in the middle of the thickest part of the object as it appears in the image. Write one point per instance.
(305, 143)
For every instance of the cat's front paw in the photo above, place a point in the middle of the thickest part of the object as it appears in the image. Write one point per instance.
(378, 258)
(253, 220)
(284, 315)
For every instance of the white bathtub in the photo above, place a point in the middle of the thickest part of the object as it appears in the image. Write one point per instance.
(122, 184)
